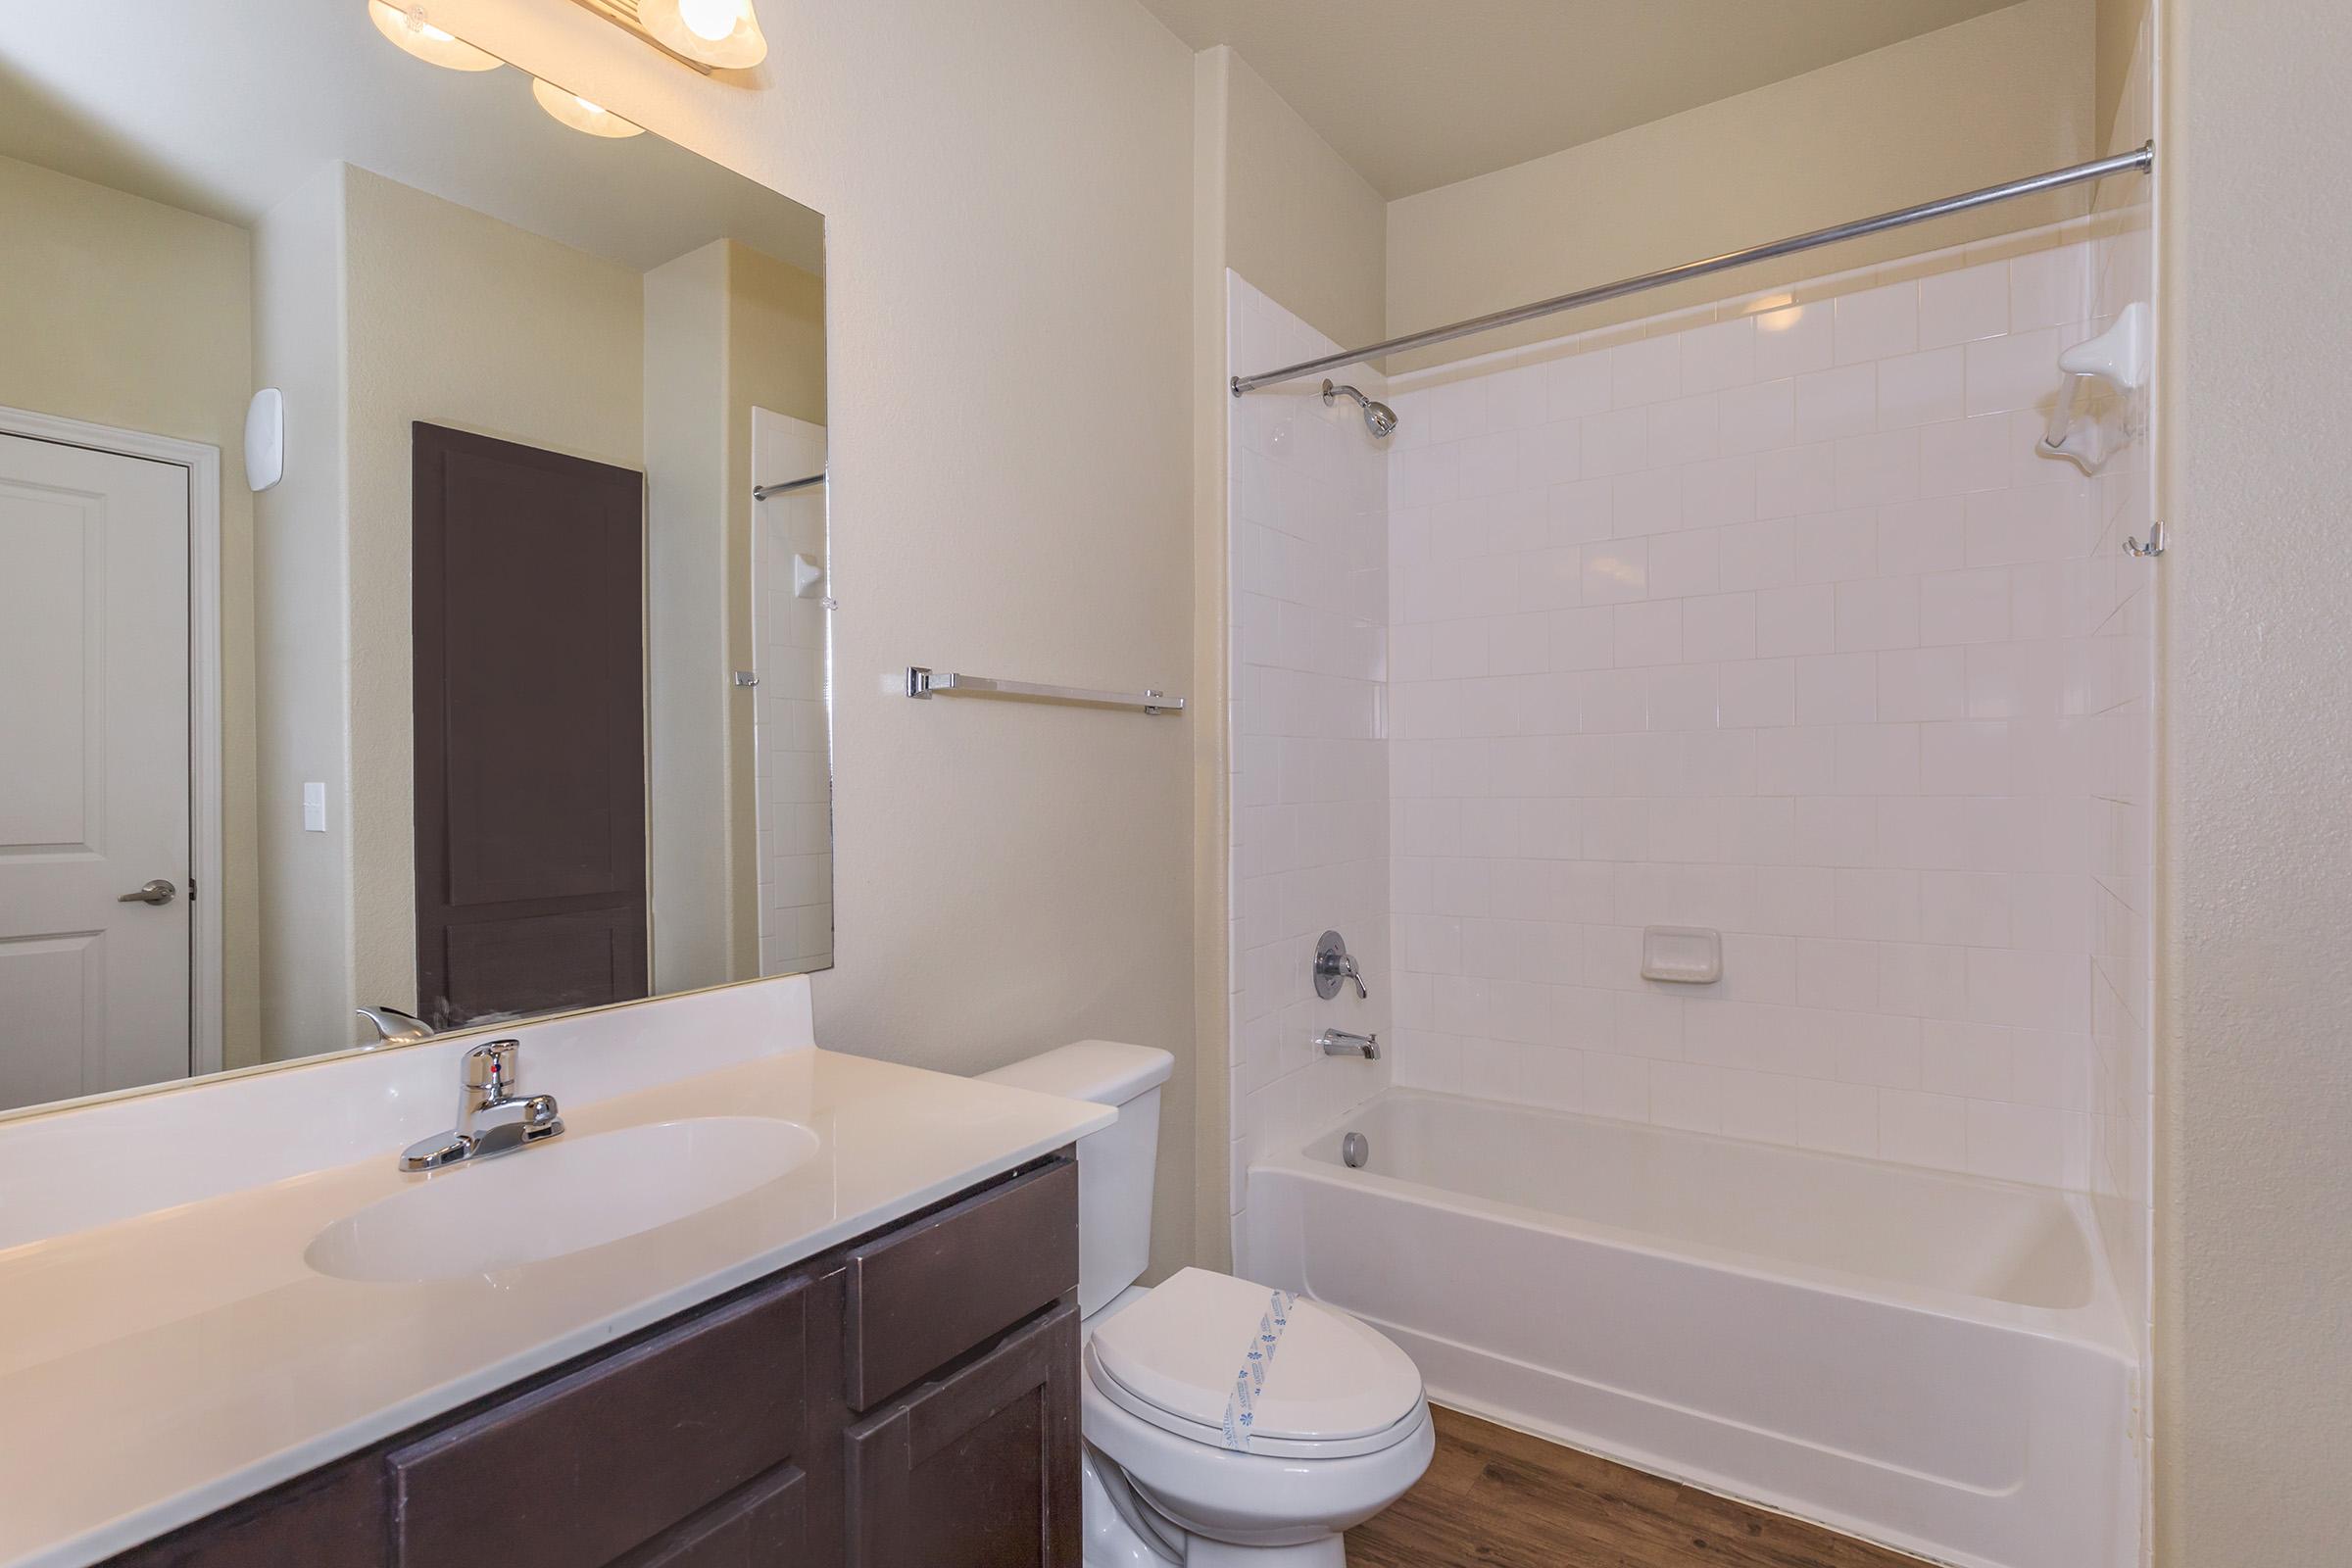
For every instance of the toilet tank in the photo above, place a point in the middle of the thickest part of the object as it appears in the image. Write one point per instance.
(1114, 1165)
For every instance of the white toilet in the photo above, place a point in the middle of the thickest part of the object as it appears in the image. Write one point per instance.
(1226, 1425)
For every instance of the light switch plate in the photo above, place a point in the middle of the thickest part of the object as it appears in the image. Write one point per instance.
(314, 807)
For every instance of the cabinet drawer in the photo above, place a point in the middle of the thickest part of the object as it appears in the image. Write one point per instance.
(330, 1516)
(923, 1296)
(765, 1525)
(603, 1460)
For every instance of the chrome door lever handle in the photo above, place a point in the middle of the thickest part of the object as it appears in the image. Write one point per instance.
(158, 891)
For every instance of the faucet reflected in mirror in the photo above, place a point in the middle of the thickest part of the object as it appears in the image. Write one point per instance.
(394, 1027)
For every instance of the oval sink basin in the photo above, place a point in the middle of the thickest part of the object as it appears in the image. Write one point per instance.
(564, 1196)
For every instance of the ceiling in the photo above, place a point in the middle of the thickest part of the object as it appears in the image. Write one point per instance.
(167, 102)
(1421, 93)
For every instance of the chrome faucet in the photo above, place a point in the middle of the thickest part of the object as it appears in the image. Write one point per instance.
(1335, 965)
(487, 1073)
(1339, 1043)
(394, 1027)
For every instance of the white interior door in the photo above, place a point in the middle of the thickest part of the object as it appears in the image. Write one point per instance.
(93, 770)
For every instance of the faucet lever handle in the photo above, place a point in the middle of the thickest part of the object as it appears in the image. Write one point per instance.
(491, 1067)
(1335, 965)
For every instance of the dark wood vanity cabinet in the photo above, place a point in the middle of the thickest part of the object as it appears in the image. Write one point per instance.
(968, 1469)
(909, 1400)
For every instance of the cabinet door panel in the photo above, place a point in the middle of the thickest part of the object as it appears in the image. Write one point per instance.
(765, 1525)
(978, 1469)
(603, 1460)
(332, 1516)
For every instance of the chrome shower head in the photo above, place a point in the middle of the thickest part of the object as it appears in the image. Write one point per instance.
(1379, 417)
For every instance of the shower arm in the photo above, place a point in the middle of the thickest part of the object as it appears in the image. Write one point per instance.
(2138, 162)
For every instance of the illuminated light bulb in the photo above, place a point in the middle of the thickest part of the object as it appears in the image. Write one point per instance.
(718, 32)
(414, 35)
(711, 20)
(581, 113)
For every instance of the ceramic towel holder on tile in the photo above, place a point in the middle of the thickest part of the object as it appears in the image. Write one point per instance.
(1682, 955)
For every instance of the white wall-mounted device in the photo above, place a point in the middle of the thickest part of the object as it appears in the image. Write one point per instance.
(807, 577)
(2118, 355)
(2121, 357)
(266, 439)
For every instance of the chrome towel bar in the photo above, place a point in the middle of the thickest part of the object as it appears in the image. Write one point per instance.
(928, 683)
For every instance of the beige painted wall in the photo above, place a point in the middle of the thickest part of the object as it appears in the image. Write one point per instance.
(1299, 223)
(1007, 292)
(2116, 35)
(775, 336)
(126, 312)
(1211, 814)
(459, 320)
(1272, 201)
(686, 631)
(2003, 95)
(300, 646)
(2254, 1088)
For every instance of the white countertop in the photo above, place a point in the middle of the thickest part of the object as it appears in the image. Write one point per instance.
(158, 1367)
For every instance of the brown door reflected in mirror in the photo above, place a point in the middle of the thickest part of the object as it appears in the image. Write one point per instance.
(530, 723)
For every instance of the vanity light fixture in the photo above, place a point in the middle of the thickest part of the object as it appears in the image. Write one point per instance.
(572, 109)
(718, 32)
(410, 29)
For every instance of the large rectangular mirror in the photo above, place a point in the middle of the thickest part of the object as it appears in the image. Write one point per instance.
(414, 601)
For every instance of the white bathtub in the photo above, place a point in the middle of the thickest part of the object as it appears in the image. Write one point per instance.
(1935, 1362)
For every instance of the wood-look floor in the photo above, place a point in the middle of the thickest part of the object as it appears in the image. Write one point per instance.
(1498, 1499)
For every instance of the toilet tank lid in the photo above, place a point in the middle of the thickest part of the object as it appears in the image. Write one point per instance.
(1103, 1072)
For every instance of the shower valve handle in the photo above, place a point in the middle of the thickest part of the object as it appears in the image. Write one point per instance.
(1335, 965)
(1354, 976)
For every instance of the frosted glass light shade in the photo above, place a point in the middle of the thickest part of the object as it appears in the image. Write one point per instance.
(579, 113)
(718, 32)
(409, 30)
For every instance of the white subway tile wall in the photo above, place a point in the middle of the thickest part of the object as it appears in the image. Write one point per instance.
(2119, 700)
(1775, 623)
(1307, 514)
(792, 742)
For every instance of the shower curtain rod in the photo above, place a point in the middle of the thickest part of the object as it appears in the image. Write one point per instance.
(2057, 179)
(760, 492)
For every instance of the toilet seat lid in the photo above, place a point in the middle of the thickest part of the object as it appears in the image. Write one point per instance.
(1223, 1354)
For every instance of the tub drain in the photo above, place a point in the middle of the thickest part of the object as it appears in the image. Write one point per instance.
(1354, 1150)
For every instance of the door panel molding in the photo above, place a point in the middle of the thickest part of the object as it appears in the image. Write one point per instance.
(529, 727)
(205, 805)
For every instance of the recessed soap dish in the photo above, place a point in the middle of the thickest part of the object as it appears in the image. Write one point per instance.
(1683, 954)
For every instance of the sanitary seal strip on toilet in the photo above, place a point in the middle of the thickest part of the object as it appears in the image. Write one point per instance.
(1238, 1365)
(1251, 1380)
